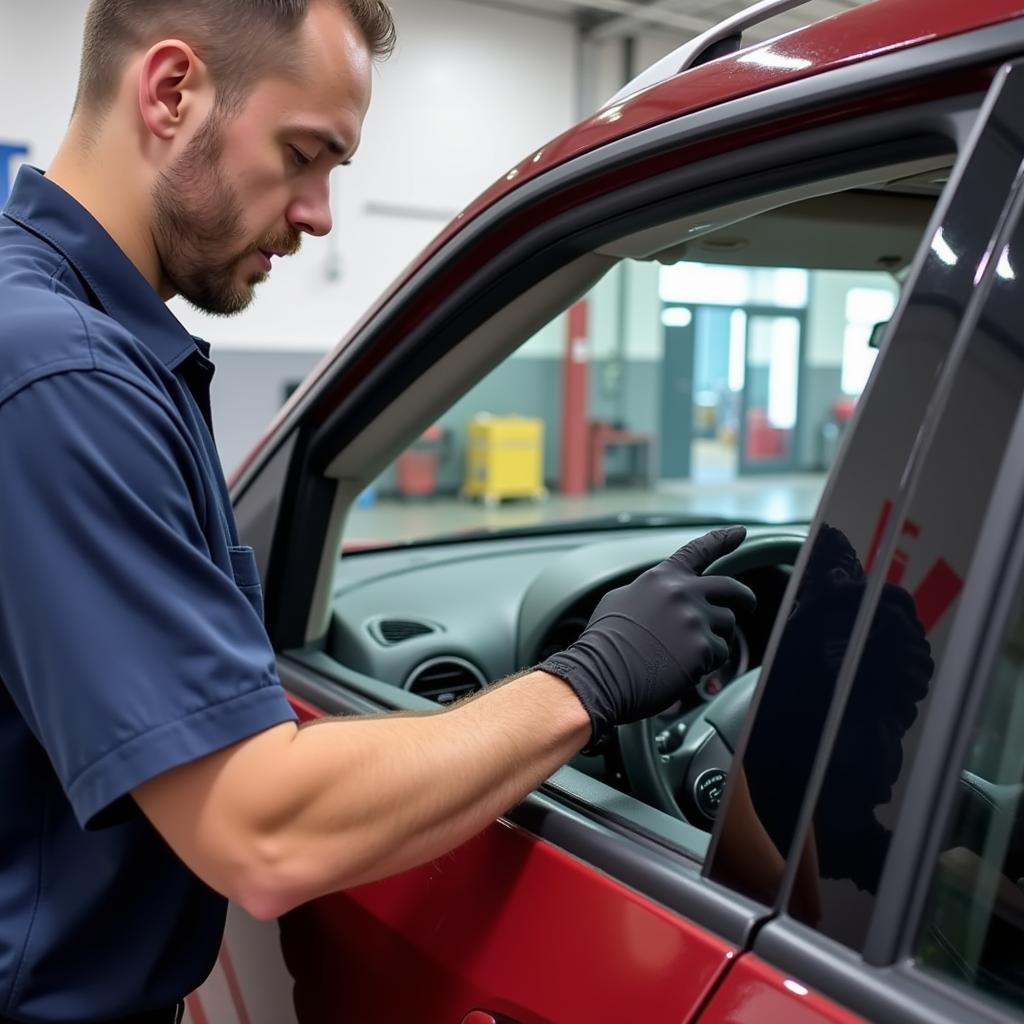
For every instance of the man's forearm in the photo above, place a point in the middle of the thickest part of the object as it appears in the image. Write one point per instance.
(355, 800)
(458, 771)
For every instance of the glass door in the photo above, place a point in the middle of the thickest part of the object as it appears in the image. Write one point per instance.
(771, 391)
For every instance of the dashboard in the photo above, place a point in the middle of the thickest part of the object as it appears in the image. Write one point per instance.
(444, 619)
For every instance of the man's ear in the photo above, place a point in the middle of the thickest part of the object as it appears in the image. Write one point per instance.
(171, 85)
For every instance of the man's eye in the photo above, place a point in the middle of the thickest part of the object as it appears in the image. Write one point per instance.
(299, 158)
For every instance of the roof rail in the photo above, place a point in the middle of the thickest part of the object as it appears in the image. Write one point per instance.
(724, 38)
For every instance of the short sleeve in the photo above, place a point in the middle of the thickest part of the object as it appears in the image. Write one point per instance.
(126, 647)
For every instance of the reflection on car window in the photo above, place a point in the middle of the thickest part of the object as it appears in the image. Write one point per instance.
(973, 929)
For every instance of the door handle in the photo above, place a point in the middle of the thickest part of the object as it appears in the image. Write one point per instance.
(486, 1017)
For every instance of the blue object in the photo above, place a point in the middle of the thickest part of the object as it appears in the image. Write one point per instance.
(7, 153)
(367, 498)
(130, 632)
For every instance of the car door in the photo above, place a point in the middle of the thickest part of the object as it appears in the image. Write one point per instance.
(578, 905)
(911, 856)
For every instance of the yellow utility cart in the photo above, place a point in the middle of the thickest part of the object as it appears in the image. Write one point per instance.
(504, 458)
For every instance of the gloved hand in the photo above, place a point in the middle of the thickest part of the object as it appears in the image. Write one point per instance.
(647, 642)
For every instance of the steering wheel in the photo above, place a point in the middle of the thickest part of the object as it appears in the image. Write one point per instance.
(687, 779)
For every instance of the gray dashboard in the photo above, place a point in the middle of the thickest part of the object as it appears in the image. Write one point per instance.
(399, 615)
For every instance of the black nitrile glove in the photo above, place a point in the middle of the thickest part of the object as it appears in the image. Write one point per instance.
(647, 642)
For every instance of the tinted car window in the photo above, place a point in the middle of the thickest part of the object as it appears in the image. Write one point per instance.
(910, 628)
(973, 928)
(909, 631)
(906, 561)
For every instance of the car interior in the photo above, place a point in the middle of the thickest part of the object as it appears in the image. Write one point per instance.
(442, 615)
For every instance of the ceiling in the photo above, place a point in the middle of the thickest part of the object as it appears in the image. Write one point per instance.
(610, 19)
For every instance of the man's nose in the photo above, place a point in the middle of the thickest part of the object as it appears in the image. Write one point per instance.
(312, 214)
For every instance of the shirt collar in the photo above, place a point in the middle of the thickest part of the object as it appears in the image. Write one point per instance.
(45, 209)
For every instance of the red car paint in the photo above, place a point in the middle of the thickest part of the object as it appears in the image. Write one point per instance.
(754, 993)
(446, 955)
(540, 922)
(859, 34)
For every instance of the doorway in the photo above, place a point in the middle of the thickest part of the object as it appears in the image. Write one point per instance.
(730, 391)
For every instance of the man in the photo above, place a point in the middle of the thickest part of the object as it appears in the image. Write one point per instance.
(152, 764)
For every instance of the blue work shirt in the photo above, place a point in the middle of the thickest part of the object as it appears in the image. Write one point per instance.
(131, 638)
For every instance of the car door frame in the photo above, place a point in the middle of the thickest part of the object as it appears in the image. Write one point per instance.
(570, 811)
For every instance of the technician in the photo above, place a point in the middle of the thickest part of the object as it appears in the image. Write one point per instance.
(152, 766)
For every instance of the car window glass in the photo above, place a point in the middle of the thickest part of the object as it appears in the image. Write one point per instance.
(973, 927)
(866, 535)
(909, 632)
(705, 390)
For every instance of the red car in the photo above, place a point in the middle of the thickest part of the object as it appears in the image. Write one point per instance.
(830, 829)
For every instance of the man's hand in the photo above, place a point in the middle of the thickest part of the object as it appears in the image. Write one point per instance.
(647, 642)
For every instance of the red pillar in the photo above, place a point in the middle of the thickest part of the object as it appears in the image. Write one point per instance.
(575, 377)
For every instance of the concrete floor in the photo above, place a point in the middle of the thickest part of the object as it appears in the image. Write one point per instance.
(771, 499)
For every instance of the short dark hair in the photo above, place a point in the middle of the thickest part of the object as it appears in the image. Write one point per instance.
(238, 40)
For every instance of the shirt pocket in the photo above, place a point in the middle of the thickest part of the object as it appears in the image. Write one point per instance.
(247, 576)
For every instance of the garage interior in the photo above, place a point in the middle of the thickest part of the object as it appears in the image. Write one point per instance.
(710, 385)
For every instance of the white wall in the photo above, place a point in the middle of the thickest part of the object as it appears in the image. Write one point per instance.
(39, 54)
(470, 91)
(826, 319)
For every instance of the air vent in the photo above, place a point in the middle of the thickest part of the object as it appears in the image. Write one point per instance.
(445, 680)
(395, 631)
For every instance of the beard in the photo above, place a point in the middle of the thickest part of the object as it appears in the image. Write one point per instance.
(198, 227)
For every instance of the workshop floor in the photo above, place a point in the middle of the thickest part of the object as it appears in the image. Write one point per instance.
(773, 499)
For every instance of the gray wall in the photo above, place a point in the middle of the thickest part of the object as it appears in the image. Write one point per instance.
(248, 390)
(821, 387)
